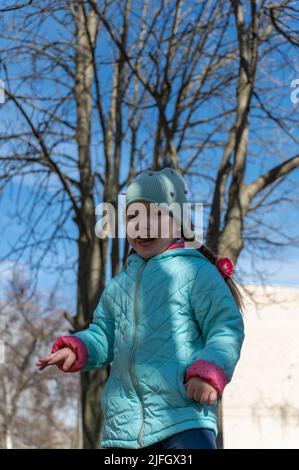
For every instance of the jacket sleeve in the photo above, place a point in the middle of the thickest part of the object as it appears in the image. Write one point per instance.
(222, 327)
(99, 336)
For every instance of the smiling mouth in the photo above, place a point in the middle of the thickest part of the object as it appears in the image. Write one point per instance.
(145, 241)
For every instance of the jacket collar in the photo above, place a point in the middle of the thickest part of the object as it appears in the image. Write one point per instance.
(170, 252)
(178, 244)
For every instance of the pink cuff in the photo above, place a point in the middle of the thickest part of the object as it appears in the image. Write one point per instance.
(76, 345)
(209, 371)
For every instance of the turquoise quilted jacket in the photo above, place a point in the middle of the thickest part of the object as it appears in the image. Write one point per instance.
(159, 322)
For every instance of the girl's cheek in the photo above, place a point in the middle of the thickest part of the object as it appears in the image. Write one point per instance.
(130, 228)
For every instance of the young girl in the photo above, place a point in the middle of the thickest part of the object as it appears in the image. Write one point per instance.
(170, 324)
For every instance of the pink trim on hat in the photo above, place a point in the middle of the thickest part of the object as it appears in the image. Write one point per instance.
(77, 346)
(209, 371)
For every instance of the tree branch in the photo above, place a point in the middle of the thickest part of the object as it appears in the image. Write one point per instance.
(252, 189)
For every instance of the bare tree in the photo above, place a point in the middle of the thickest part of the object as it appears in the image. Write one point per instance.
(14, 6)
(30, 399)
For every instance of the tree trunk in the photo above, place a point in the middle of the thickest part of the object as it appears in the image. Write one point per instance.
(229, 241)
(91, 250)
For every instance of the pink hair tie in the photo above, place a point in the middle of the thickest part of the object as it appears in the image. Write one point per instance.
(225, 266)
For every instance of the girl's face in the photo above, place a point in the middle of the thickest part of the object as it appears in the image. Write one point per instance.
(150, 229)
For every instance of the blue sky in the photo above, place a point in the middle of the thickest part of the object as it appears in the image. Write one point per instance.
(280, 264)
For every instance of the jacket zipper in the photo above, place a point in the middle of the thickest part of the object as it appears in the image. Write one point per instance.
(133, 375)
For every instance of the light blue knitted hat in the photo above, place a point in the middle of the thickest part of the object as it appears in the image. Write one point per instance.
(163, 186)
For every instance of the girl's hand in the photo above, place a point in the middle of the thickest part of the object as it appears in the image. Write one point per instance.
(201, 390)
(65, 356)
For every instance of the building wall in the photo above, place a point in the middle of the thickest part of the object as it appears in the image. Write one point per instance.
(261, 404)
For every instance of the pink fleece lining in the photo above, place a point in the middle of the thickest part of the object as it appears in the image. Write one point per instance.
(76, 345)
(180, 244)
(209, 371)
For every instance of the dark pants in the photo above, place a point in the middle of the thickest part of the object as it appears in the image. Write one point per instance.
(199, 438)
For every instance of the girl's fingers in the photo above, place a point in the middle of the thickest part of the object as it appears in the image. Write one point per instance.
(43, 366)
(198, 392)
(51, 359)
(44, 359)
(198, 395)
(204, 398)
(69, 361)
(189, 391)
(201, 393)
(58, 356)
(212, 398)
